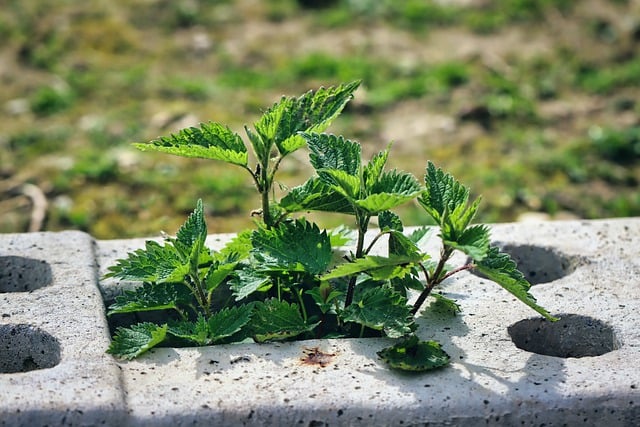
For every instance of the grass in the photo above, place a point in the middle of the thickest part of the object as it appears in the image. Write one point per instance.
(548, 124)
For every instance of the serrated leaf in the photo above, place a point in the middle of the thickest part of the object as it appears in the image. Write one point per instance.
(297, 242)
(248, 281)
(399, 244)
(261, 148)
(381, 308)
(373, 170)
(131, 342)
(154, 263)
(443, 304)
(414, 355)
(380, 202)
(228, 321)
(236, 249)
(396, 182)
(392, 189)
(315, 195)
(277, 320)
(209, 141)
(312, 112)
(217, 273)
(330, 152)
(192, 234)
(410, 281)
(388, 220)
(500, 268)
(324, 296)
(473, 241)
(341, 182)
(195, 331)
(150, 297)
(378, 267)
(341, 236)
(442, 193)
(420, 235)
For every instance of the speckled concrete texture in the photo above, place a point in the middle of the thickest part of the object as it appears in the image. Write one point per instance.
(508, 367)
(53, 334)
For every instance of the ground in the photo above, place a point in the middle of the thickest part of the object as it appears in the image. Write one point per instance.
(531, 104)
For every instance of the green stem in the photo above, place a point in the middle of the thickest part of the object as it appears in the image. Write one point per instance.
(264, 192)
(432, 281)
(302, 307)
(373, 242)
(363, 224)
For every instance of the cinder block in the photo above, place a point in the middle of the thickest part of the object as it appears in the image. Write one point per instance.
(53, 334)
(508, 367)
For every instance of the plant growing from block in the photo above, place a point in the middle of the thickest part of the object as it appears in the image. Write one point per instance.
(287, 278)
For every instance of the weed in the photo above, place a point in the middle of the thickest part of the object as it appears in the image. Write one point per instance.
(287, 278)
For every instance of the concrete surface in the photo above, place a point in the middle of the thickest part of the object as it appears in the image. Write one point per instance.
(508, 368)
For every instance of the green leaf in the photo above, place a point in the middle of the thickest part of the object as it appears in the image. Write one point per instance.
(378, 267)
(381, 308)
(151, 296)
(236, 249)
(474, 241)
(297, 242)
(420, 235)
(217, 273)
(312, 112)
(228, 321)
(277, 320)
(154, 263)
(396, 182)
(195, 331)
(261, 148)
(330, 152)
(373, 170)
(414, 355)
(341, 236)
(131, 342)
(324, 296)
(209, 141)
(191, 236)
(388, 221)
(380, 202)
(399, 244)
(443, 304)
(500, 268)
(247, 282)
(442, 193)
(343, 183)
(390, 190)
(315, 195)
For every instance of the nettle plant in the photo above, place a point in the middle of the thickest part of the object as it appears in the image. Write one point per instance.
(288, 279)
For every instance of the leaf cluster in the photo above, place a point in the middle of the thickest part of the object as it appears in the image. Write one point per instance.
(287, 278)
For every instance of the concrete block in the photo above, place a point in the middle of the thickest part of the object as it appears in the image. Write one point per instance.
(508, 367)
(53, 334)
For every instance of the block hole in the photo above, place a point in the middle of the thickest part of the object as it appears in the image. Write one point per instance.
(571, 336)
(26, 348)
(540, 264)
(21, 274)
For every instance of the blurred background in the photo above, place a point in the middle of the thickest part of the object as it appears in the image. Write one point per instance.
(534, 104)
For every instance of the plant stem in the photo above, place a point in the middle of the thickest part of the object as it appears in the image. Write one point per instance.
(200, 296)
(266, 213)
(363, 223)
(302, 307)
(373, 242)
(433, 280)
(457, 270)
